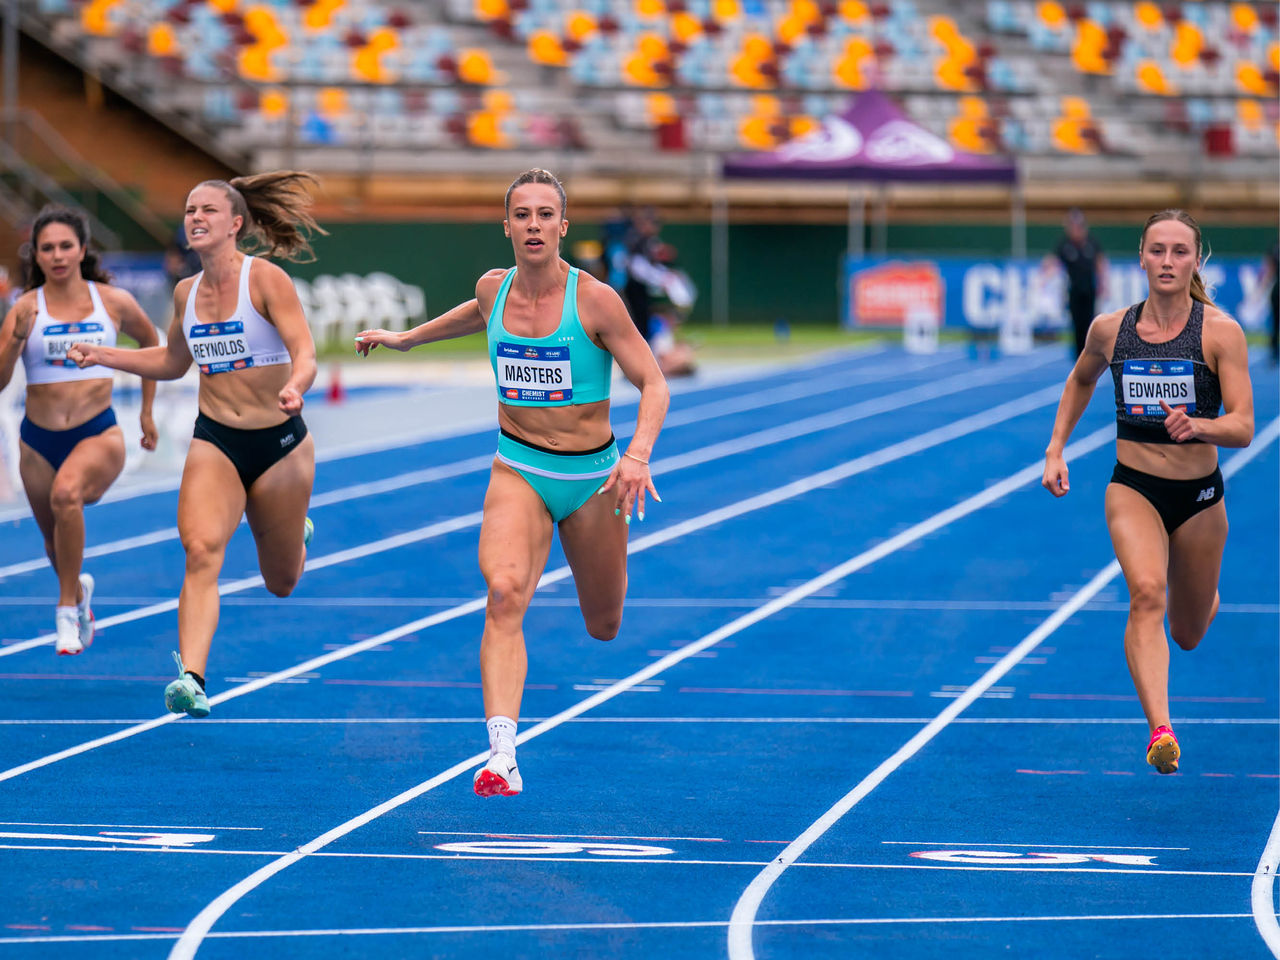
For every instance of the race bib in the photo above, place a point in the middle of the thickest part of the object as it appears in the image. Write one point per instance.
(537, 374)
(219, 347)
(58, 338)
(1144, 383)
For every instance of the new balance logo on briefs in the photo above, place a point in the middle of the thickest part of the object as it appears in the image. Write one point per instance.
(289, 438)
(1206, 494)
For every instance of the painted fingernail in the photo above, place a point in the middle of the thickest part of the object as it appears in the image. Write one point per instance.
(656, 497)
(617, 510)
(641, 514)
(628, 519)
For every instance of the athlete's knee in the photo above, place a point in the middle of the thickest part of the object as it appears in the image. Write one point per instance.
(203, 554)
(508, 596)
(604, 626)
(1187, 636)
(280, 585)
(1147, 595)
(65, 497)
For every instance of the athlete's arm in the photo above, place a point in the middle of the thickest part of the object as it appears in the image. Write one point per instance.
(1090, 365)
(1227, 352)
(168, 362)
(284, 310)
(120, 303)
(462, 321)
(612, 328)
(14, 330)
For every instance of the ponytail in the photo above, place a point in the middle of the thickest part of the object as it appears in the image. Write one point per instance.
(276, 211)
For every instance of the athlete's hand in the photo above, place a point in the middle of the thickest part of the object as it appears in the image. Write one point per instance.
(1181, 427)
(291, 400)
(82, 354)
(629, 481)
(1055, 475)
(149, 433)
(366, 340)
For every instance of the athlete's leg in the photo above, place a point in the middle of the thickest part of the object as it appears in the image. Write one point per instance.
(89, 470)
(1142, 547)
(277, 511)
(515, 538)
(595, 544)
(1195, 560)
(210, 503)
(37, 479)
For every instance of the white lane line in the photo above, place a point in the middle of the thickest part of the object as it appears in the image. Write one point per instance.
(602, 927)
(126, 826)
(401, 481)
(190, 941)
(909, 721)
(744, 912)
(453, 857)
(788, 491)
(1262, 896)
(1004, 411)
(1020, 846)
(479, 425)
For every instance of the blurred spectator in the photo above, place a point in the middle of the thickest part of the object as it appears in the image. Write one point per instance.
(1086, 267)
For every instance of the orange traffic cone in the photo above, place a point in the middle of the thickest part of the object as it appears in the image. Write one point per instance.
(337, 392)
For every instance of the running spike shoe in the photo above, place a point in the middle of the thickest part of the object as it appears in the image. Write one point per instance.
(184, 694)
(499, 777)
(1162, 751)
(67, 639)
(84, 612)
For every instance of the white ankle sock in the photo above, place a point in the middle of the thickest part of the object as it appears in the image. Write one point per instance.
(70, 611)
(502, 735)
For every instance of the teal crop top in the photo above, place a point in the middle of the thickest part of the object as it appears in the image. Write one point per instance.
(554, 371)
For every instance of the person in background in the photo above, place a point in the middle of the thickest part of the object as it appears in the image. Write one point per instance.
(1082, 258)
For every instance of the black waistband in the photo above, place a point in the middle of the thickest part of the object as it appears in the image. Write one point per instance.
(203, 419)
(1130, 473)
(559, 453)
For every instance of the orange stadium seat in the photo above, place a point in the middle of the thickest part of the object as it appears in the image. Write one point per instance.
(855, 67)
(972, 128)
(476, 67)
(1089, 52)
(854, 12)
(1250, 79)
(161, 41)
(1188, 42)
(747, 67)
(320, 13)
(368, 63)
(1244, 18)
(95, 17)
(685, 27)
(726, 11)
(759, 129)
(580, 25)
(1147, 15)
(491, 10)
(1151, 79)
(1074, 131)
(546, 49)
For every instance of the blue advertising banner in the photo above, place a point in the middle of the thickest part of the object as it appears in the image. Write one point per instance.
(979, 293)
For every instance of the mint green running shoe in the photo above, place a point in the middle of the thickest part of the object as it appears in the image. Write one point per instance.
(308, 531)
(184, 694)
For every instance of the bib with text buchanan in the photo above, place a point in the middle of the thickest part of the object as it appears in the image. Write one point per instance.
(537, 374)
(59, 337)
(219, 347)
(1144, 383)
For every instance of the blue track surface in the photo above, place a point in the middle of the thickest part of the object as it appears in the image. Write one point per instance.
(754, 707)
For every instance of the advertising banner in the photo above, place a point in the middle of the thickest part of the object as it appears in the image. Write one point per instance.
(980, 293)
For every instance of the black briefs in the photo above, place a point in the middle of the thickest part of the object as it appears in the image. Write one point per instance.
(252, 452)
(1177, 501)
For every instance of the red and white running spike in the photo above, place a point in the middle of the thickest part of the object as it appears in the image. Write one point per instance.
(498, 778)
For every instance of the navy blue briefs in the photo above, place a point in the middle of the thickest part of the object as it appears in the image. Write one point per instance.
(56, 445)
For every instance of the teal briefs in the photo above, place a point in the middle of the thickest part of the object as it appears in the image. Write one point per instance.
(564, 481)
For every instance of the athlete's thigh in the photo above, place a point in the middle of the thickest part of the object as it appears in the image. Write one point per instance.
(515, 534)
(277, 508)
(1138, 536)
(595, 544)
(37, 480)
(93, 464)
(1195, 560)
(211, 499)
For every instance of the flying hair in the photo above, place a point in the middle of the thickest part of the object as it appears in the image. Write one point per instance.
(276, 210)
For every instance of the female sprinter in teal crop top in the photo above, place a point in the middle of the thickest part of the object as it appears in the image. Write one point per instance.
(554, 334)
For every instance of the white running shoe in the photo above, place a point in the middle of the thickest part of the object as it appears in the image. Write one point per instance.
(68, 642)
(499, 777)
(84, 612)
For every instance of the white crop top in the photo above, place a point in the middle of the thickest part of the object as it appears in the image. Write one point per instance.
(45, 355)
(245, 339)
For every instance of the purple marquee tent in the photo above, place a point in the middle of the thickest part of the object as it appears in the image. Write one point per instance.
(871, 141)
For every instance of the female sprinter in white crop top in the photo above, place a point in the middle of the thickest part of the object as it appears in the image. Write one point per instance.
(71, 449)
(240, 320)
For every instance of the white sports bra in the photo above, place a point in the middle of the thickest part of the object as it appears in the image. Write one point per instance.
(45, 355)
(245, 339)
